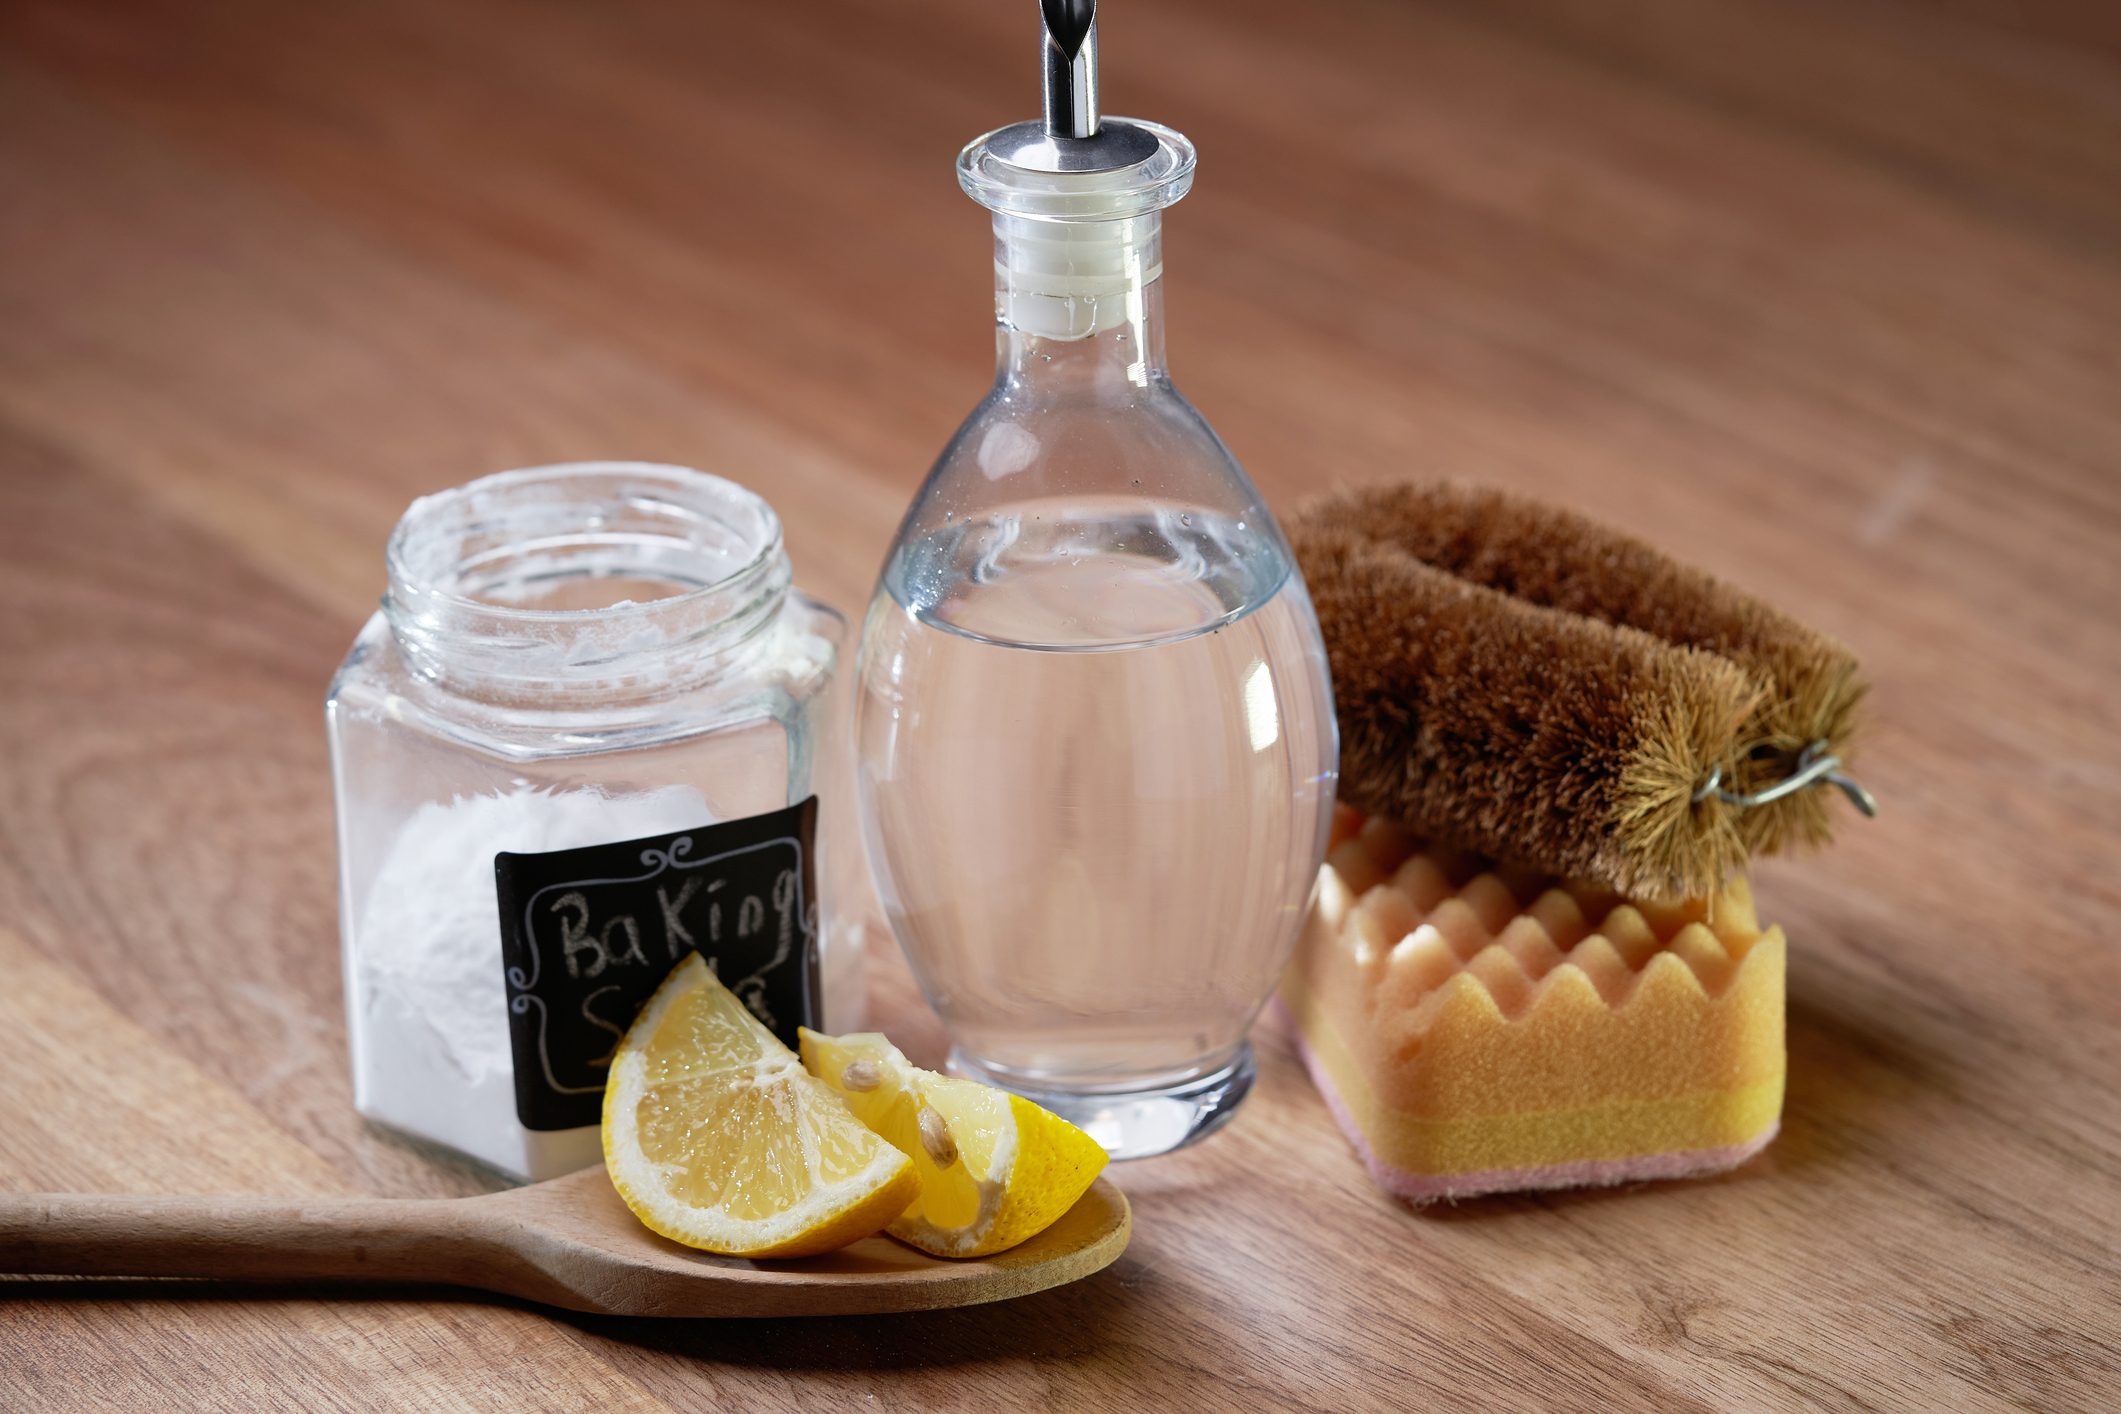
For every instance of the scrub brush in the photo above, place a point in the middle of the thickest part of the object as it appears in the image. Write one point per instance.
(1535, 686)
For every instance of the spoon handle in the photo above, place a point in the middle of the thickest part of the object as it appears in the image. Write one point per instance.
(240, 1238)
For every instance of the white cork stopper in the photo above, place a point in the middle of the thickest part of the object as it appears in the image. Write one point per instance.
(1075, 246)
(1073, 279)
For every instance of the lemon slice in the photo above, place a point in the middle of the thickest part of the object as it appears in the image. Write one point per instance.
(994, 1168)
(716, 1136)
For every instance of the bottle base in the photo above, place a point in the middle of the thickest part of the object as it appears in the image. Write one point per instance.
(1135, 1124)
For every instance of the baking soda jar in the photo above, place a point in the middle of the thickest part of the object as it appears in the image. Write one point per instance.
(591, 729)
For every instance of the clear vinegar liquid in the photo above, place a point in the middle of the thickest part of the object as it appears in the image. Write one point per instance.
(1097, 766)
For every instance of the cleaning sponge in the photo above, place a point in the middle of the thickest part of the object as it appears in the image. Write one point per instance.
(1478, 1029)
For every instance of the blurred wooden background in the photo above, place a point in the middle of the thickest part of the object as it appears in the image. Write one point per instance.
(1825, 295)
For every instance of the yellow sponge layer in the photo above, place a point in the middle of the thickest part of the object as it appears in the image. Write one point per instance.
(1478, 1028)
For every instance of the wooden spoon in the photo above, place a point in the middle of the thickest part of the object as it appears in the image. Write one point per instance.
(565, 1242)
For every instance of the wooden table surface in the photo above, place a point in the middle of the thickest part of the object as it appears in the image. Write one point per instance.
(1825, 295)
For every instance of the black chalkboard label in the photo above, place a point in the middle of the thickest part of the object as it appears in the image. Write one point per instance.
(587, 934)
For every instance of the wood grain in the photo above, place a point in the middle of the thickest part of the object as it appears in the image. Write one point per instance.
(1823, 296)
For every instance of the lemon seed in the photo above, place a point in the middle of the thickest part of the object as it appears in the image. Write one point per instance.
(935, 1138)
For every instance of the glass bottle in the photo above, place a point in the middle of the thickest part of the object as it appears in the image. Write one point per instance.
(1096, 745)
(570, 657)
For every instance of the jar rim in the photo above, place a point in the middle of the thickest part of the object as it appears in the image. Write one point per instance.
(422, 517)
(459, 556)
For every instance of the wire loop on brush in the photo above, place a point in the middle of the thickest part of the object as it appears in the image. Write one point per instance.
(1815, 766)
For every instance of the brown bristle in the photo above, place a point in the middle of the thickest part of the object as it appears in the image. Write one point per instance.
(1553, 691)
(1524, 732)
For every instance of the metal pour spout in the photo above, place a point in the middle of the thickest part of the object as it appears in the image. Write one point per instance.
(1070, 34)
(1071, 137)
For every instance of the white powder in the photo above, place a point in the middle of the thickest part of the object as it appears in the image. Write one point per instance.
(427, 1006)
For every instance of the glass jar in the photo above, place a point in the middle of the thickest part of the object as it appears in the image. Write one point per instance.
(568, 659)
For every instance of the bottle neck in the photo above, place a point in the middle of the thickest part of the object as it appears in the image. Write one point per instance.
(1078, 302)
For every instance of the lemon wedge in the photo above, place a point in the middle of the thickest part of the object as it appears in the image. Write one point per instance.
(994, 1168)
(716, 1136)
